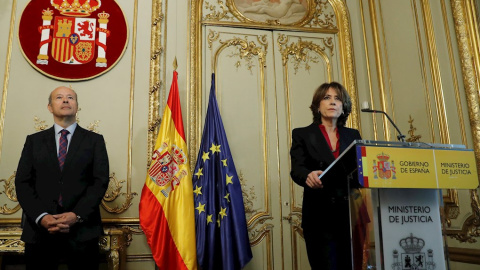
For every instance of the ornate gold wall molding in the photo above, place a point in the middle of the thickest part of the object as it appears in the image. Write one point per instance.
(378, 64)
(316, 14)
(465, 255)
(435, 72)
(10, 239)
(9, 191)
(324, 16)
(7, 74)
(300, 52)
(114, 186)
(451, 206)
(411, 131)
(156, 84)
(470, 65)
(246, 49)
(453, 69)
(470, 228)
(347, 63)
(114, 192)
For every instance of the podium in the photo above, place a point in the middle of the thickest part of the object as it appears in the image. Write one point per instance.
(400, 228)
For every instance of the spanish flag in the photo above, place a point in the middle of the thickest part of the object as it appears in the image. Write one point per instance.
(166, 204)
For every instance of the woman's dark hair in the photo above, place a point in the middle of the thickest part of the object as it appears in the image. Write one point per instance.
(344, 98)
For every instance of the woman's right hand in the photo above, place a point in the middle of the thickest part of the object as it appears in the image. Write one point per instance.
(313, 181)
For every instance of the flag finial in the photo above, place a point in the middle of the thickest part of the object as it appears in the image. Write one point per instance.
(175, 65)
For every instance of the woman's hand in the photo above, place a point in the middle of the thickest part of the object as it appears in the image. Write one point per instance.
(313, 181)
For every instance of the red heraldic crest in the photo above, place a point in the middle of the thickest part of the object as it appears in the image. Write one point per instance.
(74, 34)
(73, 41)
(384, 168)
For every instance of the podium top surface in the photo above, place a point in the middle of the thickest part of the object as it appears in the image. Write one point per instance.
(410, 145)
(380, 164)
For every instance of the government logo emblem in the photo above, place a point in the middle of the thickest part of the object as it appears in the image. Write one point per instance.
(67, 39)
(413, 258)
(383, 168)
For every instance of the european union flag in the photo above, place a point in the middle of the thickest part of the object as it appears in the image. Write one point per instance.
(221, 226)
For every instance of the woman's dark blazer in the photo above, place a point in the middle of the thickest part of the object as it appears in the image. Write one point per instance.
(310, 152)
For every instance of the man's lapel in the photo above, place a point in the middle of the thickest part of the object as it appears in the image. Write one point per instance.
(51, 145)
(75, 143)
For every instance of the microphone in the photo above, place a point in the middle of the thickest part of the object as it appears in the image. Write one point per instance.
(366, 108)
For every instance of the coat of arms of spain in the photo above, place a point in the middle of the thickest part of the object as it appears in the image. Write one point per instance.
(67, 39)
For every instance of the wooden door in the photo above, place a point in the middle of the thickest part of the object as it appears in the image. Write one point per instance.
(264, 84)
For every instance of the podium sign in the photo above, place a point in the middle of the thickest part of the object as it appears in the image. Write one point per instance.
(411, 229)
(401, 167)
(406, 182)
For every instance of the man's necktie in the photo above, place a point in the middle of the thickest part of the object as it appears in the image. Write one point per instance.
(62, 147)
(62, 154)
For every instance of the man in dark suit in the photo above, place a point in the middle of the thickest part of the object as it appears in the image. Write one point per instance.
(61, 178)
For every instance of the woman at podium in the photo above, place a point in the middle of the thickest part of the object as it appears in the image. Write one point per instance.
(325, 214)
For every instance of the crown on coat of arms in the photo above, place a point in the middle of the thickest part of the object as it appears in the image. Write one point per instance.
(103, 15)
(412, 244)
(383, 157)
(178, 155)
(76, 8)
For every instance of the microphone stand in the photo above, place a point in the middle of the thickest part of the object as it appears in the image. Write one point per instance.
(400, 136)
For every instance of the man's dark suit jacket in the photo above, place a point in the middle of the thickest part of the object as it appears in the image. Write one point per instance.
(82, 183)
(310, 152)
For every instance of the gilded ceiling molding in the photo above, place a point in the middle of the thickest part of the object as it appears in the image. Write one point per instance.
(471, 226)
